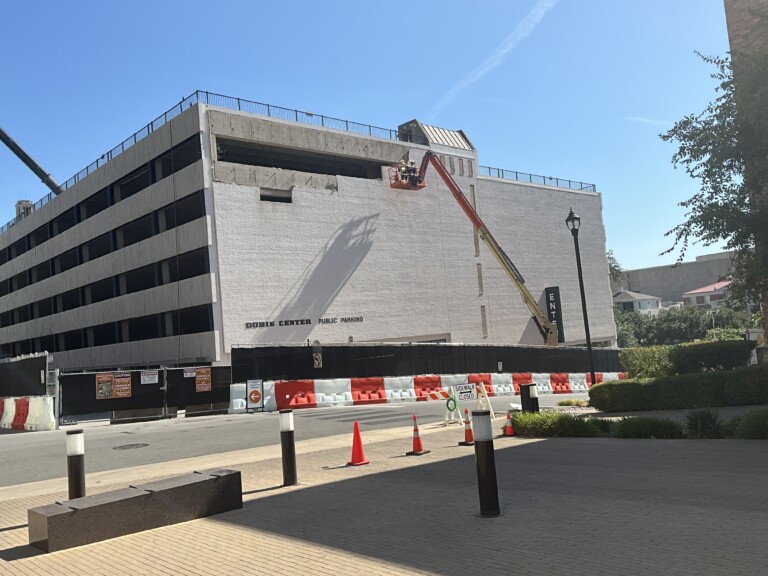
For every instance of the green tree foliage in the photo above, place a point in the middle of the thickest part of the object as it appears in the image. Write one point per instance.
(725, 147)
(615, 271)
(677, 325)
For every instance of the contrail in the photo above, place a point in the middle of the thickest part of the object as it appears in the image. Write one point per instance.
(497, 57)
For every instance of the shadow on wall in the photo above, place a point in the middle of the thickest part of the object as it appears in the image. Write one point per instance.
(323, 279)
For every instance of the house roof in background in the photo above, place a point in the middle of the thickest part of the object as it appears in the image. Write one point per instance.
(629, 296)
(709, 288)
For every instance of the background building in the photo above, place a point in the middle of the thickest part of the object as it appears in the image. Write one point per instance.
(227, 222)
(671, 282)
(628, 301)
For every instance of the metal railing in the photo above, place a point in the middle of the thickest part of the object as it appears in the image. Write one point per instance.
(293, 115)
(232, 103)
(535, 179)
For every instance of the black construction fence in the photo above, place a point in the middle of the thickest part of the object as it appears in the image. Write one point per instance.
(171, 388)
(21, 376)
(377, 360)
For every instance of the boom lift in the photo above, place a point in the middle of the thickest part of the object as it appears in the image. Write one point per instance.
(31, 164)
(547, 328)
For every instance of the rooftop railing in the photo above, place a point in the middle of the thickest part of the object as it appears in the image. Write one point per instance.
(535, 179)
(240, 104)
(293, 115)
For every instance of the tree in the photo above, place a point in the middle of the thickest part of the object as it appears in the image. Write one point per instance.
(726, 149)
(615, 271)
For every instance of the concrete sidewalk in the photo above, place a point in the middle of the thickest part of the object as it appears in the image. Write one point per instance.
(570, 506)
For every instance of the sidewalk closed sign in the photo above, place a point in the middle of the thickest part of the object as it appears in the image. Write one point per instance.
(254, 394)
(465, 392)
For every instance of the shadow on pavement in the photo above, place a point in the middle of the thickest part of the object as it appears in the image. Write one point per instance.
(602, 505)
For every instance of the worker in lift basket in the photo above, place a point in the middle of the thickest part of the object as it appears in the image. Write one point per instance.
(402, 171)
(413, 173)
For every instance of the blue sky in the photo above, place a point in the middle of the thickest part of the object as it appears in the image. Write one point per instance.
(576, 89)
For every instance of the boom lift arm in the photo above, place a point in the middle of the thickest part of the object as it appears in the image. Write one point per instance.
(547, 328)
(31, 164)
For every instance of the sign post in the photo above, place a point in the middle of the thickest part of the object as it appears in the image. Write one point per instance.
(555, 310)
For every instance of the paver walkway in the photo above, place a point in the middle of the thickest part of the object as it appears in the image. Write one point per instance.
(570, 506)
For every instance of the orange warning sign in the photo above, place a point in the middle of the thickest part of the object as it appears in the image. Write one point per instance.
(254, 396)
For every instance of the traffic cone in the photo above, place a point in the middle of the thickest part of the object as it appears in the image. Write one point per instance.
(418, 449)
(508, 429)
(358, 457)
(469, 436)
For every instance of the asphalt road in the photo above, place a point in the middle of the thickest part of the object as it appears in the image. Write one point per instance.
(34, 456)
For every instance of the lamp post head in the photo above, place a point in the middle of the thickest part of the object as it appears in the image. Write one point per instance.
(573, 222)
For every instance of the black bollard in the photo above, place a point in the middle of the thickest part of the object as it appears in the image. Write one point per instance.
(486, 464)
(525, 397)
(288, 446)
(76, 463)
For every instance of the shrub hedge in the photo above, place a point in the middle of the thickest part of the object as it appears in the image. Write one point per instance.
(647, 362)
(551, 423)
(753, 425)
(642, 427)
(738, 387)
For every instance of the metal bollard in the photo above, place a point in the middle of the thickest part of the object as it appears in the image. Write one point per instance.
(525, 397)
(486, 464)
(288, 446)
(76, 463)
(534, 398)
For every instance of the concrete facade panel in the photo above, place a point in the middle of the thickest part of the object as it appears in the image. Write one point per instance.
(303, 137)
(193, 235)
(190, 292)
(162, 193)
(148, 352)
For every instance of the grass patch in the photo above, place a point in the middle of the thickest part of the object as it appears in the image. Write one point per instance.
(551, 423)
(645, 427)
(574, 402)
(753, 425)
(705, 423)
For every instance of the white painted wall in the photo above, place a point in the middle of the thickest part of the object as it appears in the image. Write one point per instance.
(404, 261)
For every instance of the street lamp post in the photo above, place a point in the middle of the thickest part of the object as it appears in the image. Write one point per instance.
(573, 222)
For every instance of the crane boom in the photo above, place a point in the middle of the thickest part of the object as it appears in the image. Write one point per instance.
(547, 328)
(31, 164)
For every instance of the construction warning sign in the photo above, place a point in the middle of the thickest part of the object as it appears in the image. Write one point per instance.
(465, 391)
(104, 382)
(202, 379)
(121, 385)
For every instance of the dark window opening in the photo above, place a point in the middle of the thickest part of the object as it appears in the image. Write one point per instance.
(70, 300)
(41, 271)
(6, 350)
(140, 279)
(271, 195)
(45, 344)
(21, 314)
(193, 320)
(65, 221)
(65, 261)
(3, 256)
(185, 210)
(254, 154)
(102, 290)
(137, 230)
(23, 347)
(40, 235)
(73, 340)
(19, 281)
(189, 265)
(19, 247)
(105, 334)
(144, 328)
(95, 204)
(135, 182)
(186, 153)
(43, 307)
(5, 287)
(97, 247)
(5, 319)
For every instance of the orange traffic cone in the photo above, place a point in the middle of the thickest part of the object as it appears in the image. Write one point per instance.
(469, 436)
(418, 449)
(508, 429)
(358, 457)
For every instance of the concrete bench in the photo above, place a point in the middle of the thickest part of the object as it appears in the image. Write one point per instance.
(129, 510)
